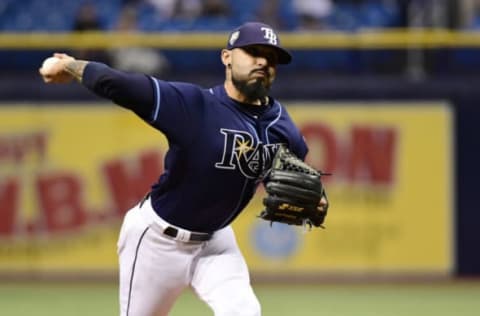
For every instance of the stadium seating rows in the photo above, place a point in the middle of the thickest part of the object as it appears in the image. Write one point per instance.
(58, 15)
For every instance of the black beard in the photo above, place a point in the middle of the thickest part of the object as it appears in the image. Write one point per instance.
(252, 91)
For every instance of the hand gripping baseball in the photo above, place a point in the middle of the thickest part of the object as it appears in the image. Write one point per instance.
(54, 69)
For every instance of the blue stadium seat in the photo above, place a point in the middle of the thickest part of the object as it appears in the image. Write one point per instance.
(213, 24)
(370, 14)
(50, 15)
(344, 17)
(245, 10)
(149, 20)
(108, 11)
(286, 16)
(376, 14)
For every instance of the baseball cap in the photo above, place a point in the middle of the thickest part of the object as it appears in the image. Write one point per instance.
(256, 33)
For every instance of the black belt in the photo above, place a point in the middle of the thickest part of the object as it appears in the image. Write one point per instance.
(173, 232)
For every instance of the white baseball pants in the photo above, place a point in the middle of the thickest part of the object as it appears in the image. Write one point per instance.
(155, 269)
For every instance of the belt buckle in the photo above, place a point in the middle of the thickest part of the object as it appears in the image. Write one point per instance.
(177, 234)
(183, 235)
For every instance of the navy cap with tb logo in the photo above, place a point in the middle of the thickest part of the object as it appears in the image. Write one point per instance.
(256, 33)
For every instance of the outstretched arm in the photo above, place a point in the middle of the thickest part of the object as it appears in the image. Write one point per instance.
(132, 91)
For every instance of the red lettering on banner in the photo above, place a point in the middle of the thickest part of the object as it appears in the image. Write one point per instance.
(60, 201)
(9, 191)
(322, 143)
(129, 181)
(371, 154)
(16, 148)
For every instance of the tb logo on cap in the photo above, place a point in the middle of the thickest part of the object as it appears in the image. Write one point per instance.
(269, 35)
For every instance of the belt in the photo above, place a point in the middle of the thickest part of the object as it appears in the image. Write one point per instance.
(180, 235)
(177, 233)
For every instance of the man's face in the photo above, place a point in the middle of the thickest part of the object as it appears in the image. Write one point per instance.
(253, 70)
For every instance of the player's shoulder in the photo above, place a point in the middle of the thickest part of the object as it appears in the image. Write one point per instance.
(183, 86)
(182, 89)
(279, 108)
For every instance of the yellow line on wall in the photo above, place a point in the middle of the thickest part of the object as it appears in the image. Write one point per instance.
(367, 39)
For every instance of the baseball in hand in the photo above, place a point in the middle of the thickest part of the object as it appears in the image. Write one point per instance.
(49, 63)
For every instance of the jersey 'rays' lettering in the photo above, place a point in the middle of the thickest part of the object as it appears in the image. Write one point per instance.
(242, 151)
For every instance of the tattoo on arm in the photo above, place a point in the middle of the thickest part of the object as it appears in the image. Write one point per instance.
(76, 68)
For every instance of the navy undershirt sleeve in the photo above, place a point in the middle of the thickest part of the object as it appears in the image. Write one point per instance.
(129, 90)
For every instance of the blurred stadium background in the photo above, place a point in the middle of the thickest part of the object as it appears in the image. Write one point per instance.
(385, 91)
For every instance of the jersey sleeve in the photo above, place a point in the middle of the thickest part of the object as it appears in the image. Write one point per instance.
(299, 146)
(177, 109)
(129, 90)
(172, 108)
(295, 139)
(302, 149)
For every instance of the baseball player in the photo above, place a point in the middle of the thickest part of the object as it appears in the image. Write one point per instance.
(221, 142)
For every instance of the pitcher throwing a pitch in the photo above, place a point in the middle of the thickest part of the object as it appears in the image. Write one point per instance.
(221, 144)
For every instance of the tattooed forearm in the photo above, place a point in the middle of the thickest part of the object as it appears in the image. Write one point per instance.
(76, 68)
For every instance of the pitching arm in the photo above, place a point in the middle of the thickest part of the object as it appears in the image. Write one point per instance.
(129, 90)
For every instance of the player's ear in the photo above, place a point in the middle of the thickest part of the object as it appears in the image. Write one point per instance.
(226, 56)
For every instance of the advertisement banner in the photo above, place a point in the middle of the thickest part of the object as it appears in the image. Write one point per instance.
(68, 173)
(391, 193)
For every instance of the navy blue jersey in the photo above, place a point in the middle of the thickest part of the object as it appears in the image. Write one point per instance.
(219, 149)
